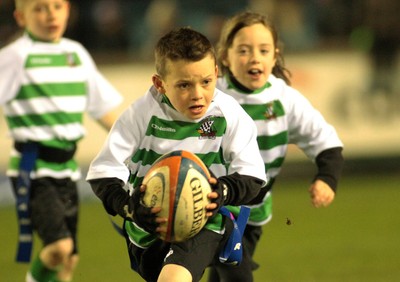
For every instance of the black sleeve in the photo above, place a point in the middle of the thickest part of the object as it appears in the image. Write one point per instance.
(111, 193)
(330, 164)
(241, 188)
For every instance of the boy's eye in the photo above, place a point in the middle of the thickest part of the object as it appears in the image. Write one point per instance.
(207, 82)
(183, 85)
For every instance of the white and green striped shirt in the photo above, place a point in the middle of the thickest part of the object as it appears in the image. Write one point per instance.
(283, 116)
(45, 88)
(224, 138)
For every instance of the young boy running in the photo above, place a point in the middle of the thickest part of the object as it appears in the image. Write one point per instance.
(47, 82)
(182, 110)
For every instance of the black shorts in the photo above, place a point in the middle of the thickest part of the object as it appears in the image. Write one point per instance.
(54, 205)
(195, 254)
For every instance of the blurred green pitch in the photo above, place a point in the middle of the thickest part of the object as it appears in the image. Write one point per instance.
(356, 239)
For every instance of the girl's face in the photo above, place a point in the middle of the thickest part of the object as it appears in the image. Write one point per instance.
(189, 86)
(252, 56)
(44, 19)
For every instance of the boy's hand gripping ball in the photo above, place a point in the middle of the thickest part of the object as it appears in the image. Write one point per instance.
(178, 183)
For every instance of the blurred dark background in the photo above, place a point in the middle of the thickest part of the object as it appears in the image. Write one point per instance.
(132, 26)
(128, 29)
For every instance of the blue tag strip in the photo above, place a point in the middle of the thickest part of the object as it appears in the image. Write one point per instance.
(25, 238)
(232, 252)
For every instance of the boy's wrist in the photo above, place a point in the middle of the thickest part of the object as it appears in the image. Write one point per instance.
(224, 192)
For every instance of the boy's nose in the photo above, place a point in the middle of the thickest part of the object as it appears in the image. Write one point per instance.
(197, 93)
(196, 97)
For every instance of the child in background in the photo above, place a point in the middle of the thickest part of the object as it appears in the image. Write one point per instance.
(253, 73)
(182, 110)
(47, 82)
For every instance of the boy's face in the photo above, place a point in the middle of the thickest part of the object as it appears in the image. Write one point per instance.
(44, 19)
(189, 86)
(251, 57)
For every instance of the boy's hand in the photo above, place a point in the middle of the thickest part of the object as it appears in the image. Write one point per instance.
(217, 196)
(144, 216)
(321, 194)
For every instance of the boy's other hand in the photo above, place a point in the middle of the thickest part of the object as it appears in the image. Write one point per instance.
(217, 196)
(144, 216)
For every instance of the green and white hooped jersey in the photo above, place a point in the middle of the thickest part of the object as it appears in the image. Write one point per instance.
(225, 139)
(45, 88)
(283, 116)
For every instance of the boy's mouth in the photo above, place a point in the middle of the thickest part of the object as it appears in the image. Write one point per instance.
(196, 109)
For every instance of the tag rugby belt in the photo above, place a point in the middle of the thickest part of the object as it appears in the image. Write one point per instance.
(49, 154)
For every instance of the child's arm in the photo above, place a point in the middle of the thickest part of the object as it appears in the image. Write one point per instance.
(234, 189)
(241, 188)
(117, 201)
(330, 163)
(111, 193)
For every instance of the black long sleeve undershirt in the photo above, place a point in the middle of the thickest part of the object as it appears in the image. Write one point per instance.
(111, 193)
(242, 188)
(330, 165)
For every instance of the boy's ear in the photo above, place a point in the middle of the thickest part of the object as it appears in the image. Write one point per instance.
(19, 18)
(158, 84)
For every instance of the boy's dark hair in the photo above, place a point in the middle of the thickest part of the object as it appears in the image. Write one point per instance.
(181, 44)
(236, 23)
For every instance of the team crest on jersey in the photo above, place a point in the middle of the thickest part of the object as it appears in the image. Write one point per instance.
(207, 130)
(71, 61)
(270, 111)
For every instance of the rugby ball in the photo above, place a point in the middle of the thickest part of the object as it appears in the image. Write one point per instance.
(178, 183)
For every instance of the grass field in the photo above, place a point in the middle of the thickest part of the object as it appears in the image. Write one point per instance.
(356, 239)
